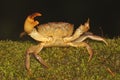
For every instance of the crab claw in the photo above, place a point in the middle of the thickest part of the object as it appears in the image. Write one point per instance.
(85, 27)
(30, 23)
(35, 15)
(87, 23)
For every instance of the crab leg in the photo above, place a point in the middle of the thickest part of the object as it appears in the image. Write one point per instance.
(83, 44)
(27, 63)
(91, 36)
(35, 50)
(38, 49)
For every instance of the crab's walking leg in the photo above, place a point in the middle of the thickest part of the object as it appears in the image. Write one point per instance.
(27, 62)
(38, 49)
(35, 50)
(83, 44)
(91, 36)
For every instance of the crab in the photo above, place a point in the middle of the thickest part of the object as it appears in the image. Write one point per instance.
(59, 34)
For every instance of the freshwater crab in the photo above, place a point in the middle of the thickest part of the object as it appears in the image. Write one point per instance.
(56, 34)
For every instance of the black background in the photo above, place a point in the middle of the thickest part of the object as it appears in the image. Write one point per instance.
(104, 15)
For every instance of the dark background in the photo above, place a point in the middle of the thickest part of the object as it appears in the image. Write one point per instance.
(104, 15)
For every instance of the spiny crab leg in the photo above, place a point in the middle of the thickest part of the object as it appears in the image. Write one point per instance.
(91, 36)
(83, 44)
(34, 50)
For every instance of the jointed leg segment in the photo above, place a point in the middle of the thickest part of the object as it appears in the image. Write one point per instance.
(91, 36)
(35, 50)
(83, 44)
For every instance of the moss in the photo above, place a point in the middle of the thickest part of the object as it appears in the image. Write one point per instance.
(65, 63)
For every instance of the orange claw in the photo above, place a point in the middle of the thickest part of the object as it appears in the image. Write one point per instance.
(30, 23)
(35, 15)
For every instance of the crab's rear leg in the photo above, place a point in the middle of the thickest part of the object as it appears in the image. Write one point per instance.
(83, 44)
(35, 50)
(91, 36)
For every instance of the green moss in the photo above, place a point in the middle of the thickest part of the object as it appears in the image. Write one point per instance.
(65, 63)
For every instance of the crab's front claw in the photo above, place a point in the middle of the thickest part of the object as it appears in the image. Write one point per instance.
(35, 15)
(30, 23)
(34, 22)
(85, 27)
